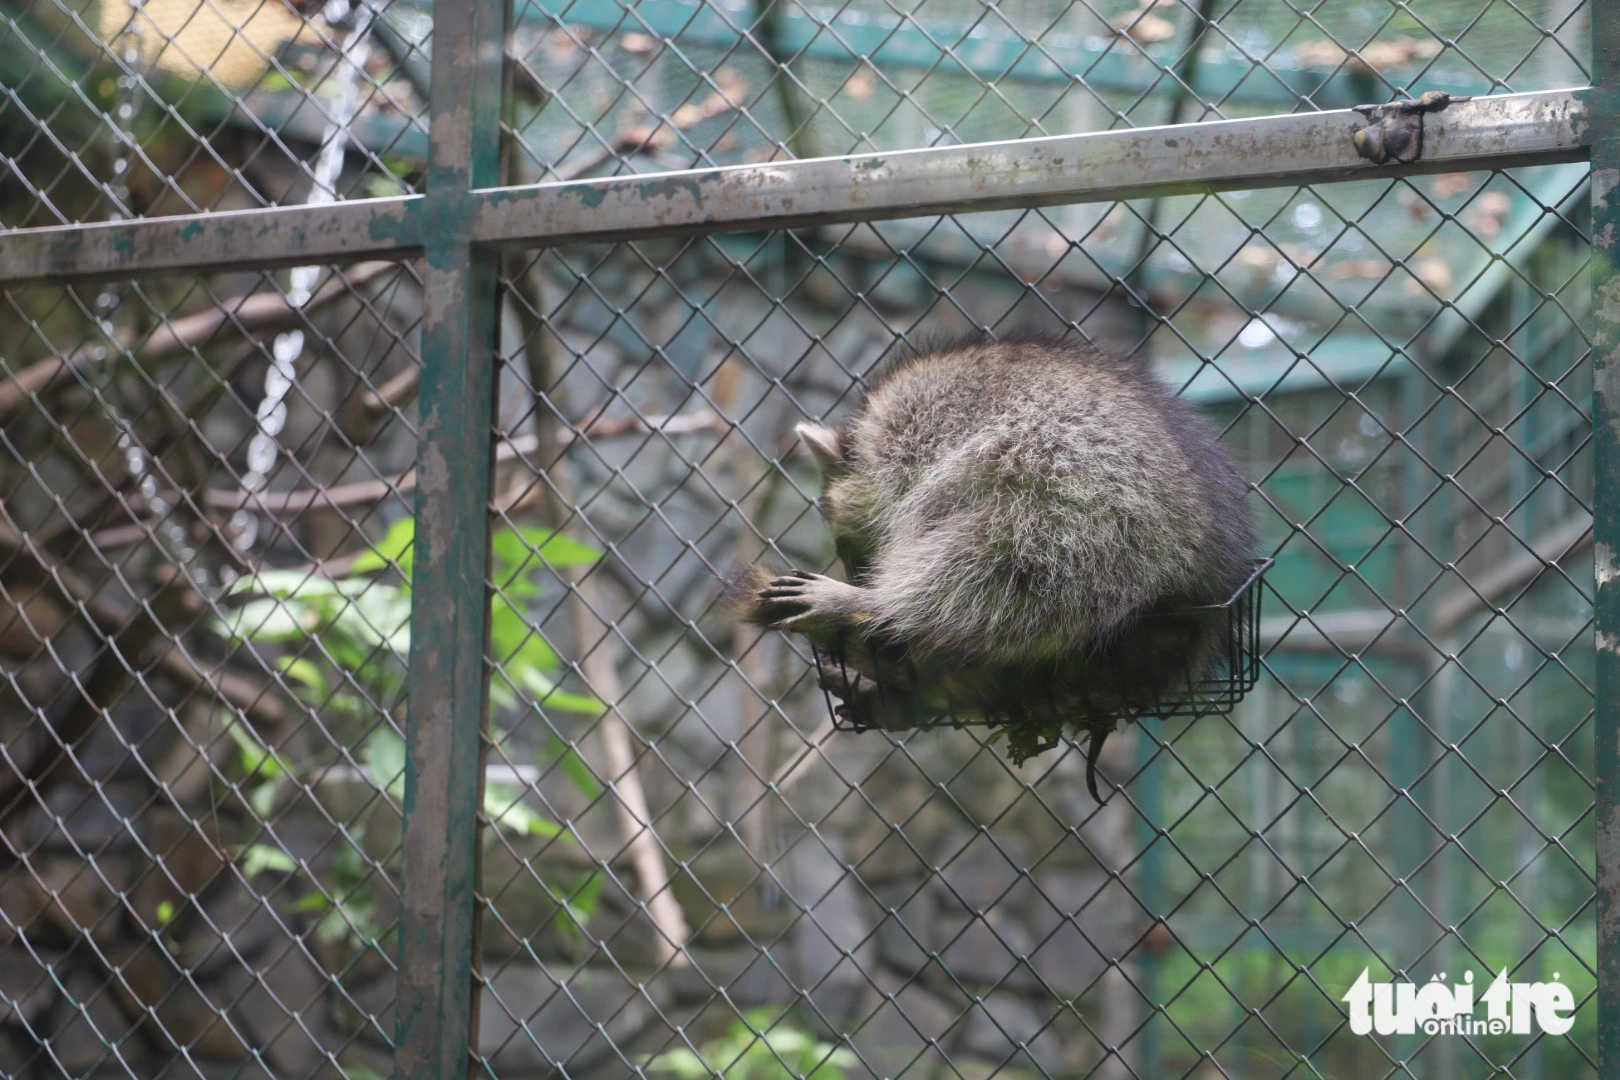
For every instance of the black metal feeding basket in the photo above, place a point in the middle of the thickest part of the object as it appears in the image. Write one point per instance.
(1231, 675)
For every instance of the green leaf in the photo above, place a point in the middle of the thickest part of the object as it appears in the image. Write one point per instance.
(681, 1063)
(501, 694)
(383, 755)
(334, 927)
(563, 701)
(581, 904)
(515, 644)
(394, 549)
(313, 902)
(303, 670)
(259, 858)
(263, 799)
(250, 752)
(544, 690)
(512, 555)
(560, 550)
(504, 807)
(377, 614)
(536, 656)
(361, 1072)
(283, 584)
(272, 621)
(258, 760)
(742, 1054)
(521, 554)
(573, 766)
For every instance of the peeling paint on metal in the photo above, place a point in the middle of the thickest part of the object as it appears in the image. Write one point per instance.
(1606, 303)
(674, 186)
(1604, 565)
(1603, 127)
(436, 1004)
(1606, 380)
(276, 236)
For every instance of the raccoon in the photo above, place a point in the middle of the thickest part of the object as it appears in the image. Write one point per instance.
(1028, 527)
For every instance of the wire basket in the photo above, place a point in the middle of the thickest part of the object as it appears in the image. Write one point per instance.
(1231, 674)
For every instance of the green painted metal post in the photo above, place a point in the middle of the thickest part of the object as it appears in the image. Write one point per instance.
(449, 614)
(1605, 120)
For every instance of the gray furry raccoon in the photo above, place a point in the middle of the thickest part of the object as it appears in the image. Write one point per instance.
(1025, 525)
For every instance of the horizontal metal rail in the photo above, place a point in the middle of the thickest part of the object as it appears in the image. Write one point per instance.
(275, 236)
(1504, 131)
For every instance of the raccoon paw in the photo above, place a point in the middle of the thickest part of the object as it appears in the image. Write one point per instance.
(860, 700)
(847, 684)
(806, 603)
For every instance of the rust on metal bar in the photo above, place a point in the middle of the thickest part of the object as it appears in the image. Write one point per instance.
(436, 1010)
(1605, 328)
(1272, 151)
(197, 243)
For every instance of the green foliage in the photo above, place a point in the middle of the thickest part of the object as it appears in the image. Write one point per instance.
(391, 179)
(343, 902)
(359, 625)
(757, 1046)
(352, 634)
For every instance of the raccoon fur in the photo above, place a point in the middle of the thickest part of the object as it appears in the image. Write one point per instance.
(1027, 527)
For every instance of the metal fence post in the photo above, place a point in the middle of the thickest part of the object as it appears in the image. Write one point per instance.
(1605, 120)
(449, 615)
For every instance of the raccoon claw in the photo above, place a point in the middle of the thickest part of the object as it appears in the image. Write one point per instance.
(848, 685)
(1093, 755)
(793, 586)
(804, 602)
(859, 704)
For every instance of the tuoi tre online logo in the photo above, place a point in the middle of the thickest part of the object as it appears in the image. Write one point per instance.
(1391, 1008)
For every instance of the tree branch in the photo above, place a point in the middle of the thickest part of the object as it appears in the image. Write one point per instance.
(99, 692)
(260, 313)
(129, 635)
(597, 663)
(368, 492)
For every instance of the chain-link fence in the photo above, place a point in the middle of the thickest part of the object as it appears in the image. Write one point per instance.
(266, 573)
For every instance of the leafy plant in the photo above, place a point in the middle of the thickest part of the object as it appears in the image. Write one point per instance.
(757, 1046)
(360, 624)
(353, 635)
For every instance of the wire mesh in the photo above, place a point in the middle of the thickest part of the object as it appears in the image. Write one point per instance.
(206, 549)
(202, 770)
(136, 108)
(1417, 755)
(609, 87)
